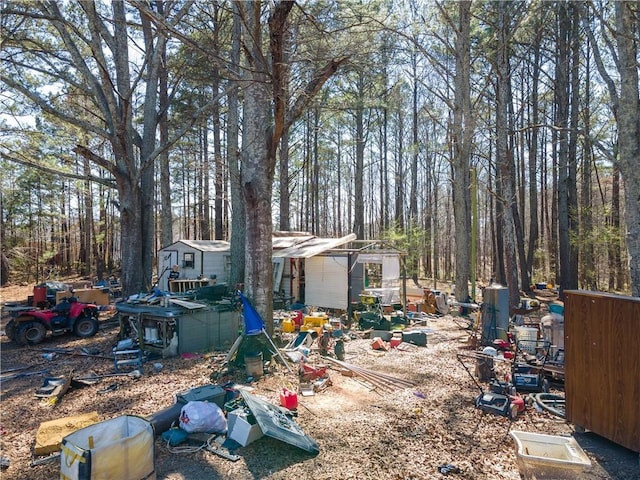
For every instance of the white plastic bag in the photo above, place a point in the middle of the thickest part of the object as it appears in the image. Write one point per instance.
(203, 417)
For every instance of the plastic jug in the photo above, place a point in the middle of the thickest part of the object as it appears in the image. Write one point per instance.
(288, 326)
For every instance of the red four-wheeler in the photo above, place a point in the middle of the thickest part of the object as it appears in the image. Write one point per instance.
(30, 327)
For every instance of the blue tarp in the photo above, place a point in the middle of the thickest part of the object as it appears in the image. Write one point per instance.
(253, 323)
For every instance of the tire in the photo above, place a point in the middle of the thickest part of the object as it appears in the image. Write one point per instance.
(85, 327)
(10, 330)
(30, 333)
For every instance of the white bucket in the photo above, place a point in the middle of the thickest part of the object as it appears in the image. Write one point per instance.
(527, 338)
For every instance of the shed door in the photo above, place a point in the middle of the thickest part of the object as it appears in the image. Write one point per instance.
(326, 282)
(168, 258)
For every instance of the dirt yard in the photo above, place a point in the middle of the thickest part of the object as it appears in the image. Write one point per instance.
(362, 433)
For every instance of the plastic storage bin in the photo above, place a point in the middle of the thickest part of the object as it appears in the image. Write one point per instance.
(119, 448)
(549, 456)
(205, 393)
(528, 336)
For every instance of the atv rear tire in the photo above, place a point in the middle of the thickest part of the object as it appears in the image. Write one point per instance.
(30, 333)
(86, 327)
(10, 330)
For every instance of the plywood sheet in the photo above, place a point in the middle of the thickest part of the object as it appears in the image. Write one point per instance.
(602, 363)
(87, 295)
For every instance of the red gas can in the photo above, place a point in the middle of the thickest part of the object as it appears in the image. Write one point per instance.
(289, 399)
(298, 319)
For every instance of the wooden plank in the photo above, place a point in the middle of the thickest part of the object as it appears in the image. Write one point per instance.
(186, 304)
(602, 365)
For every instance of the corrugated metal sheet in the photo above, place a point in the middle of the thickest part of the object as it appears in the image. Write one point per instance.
(313, 246)
(291, 241)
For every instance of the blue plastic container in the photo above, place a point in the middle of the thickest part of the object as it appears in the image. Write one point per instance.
(556, 308)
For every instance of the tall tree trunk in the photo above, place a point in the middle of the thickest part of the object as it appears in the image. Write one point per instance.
(266, 118)
(463, 127)
(285, 194)
(572, 163)
(238, 217)
(65, 240)
(384, 213)
(202, 192)
(398, 216)
(616, 281)
(413, 192)
(358, 173)
(554, 254)
(283, 174)
(562, 124)
(315, 174)
(504, 154)
(588, 260)
(257, 173)
(533, 152)
(339, 185)
(414, 266)
(625, 106)
(219, 186)
(627, 26)
(131, 234)
(166, 215)
(518, 221)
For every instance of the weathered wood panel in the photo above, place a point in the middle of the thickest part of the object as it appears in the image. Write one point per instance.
(602, 365)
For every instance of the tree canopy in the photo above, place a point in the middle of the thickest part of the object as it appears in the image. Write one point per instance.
(130, 124)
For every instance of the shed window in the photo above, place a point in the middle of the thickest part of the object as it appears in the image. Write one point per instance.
(188, 260)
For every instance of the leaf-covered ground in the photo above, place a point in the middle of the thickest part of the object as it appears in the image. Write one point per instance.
(362, 432)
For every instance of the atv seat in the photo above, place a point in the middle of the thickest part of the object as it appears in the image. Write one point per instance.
(62, 307)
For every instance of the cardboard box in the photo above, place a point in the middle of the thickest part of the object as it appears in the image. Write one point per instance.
(99, 296)
(242, 427)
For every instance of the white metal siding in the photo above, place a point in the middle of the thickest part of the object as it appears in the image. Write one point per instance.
(206, 263)
(326, 282)
(215, 263)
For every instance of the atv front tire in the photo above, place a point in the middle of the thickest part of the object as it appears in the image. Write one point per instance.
(30, 333)
(86, 327)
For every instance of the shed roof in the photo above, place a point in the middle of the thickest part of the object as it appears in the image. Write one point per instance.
(280, 242)
(203, 245)
(297, 245)
(313, 246)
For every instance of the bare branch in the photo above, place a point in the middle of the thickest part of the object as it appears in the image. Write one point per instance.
(56, 171)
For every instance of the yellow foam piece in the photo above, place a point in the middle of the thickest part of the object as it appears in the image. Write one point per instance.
(50, 434)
